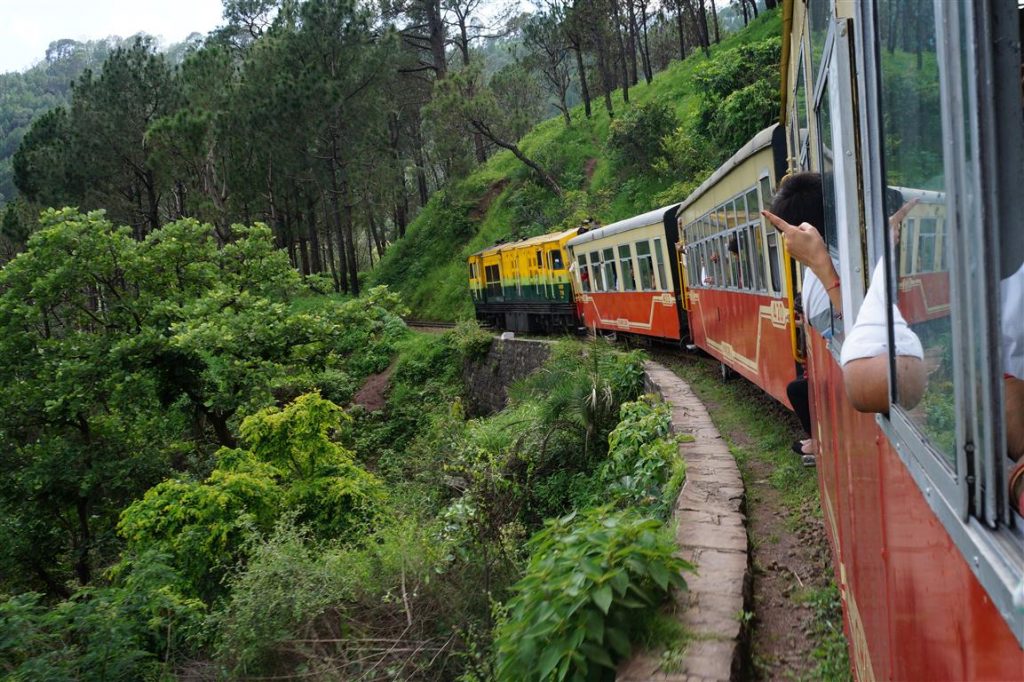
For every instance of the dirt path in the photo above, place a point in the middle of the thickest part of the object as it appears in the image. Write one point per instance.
(792, 565)
(373, 395)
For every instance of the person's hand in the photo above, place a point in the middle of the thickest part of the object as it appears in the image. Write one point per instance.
(897, 218)
(803, 242)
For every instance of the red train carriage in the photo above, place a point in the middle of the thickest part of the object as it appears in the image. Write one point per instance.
(929, 553)
(737, 297)
(626, 277)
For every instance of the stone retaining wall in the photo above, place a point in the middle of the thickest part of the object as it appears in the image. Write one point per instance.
(507, 361)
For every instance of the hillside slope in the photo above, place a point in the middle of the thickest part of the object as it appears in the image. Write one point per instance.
(500, 200)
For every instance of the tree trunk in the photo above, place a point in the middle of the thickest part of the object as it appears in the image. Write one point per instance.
(512, 147)
(83, 569)
(421, 168)
(316, 265)
(645, 47)
(607, 82)
(631, 43)
(714, 21)
(682, 30)
(623, 68)
(329, 238)
(350, 246)
(770, 4)
(304, 254)
(435, 24)
(584, 90)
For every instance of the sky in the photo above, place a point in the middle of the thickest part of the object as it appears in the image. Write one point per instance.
(27, 27)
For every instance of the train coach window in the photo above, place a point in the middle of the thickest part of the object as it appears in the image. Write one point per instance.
(913, 165)
(626, 262)
(492, 274)
(645, 266)
(743, 245)
(595, 271)
(556, 260)
(584, 272)
(660, 258)
(611, 275)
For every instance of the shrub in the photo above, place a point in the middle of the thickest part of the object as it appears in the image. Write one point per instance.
(592, 578)
(643, 468)
(634, 139)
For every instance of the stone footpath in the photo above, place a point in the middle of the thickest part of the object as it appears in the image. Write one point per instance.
(711, 534)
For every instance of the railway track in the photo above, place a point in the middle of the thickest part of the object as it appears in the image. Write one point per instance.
(427, 324)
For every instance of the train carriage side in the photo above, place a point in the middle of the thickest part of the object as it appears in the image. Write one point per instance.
(929, 555)
(627, 277)
(738, 296)
(524, 286)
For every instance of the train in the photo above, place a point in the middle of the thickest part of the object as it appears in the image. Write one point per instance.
(897, 105)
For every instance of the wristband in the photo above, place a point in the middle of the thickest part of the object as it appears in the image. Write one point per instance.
(835, 285)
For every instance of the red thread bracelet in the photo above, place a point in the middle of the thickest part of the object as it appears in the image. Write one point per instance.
(835, 285)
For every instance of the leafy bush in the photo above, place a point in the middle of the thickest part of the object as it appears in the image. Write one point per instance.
(291, 465)
(592, 578)
(643, 468)
(634, 139)
(471, 342)
(127, 631)
(739, 95)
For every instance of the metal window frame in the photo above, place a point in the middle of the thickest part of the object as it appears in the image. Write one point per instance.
(995, 557)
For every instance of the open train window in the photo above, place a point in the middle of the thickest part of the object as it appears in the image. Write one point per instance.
(660, 259)
(595, 271)
(492, 275)
(645, 266)
(584, 273)
(611, 274)
(626, 262)
(556, 259)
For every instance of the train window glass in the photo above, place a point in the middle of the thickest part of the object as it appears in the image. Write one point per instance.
(743, 245)
(611, 274)
(773, 260)
(645, 266)
(492, 274)
(904, 256)
(595, 271)
(732, 216)
(925, 256)
(556, 260)
(540, 258)
(756, 256)
(818, 14)
(584, 272)
(913, 161)
(766, 192)
(828, 178)
(800, 103)
(752, 206)
(626, 263)
(659, 257)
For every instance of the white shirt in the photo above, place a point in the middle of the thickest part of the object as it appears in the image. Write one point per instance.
(816, 303)
(1011, 303)
(869, 336)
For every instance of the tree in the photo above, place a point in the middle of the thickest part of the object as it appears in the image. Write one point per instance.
(480, 108)
(549, 53)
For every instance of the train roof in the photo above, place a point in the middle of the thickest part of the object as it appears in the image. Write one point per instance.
(755, 144)
(642, 220)
(528, 241)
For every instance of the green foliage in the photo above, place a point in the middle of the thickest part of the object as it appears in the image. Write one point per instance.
(291, 466)
(127, 631)
(592, 578)
(739, 95)
(634, 139)
(471, 342)
(644, 468)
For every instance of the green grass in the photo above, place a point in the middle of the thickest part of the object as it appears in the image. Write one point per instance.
(427, 267)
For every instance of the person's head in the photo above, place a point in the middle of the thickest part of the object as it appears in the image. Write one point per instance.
(799, 199)
(733, 246)
(714, 256)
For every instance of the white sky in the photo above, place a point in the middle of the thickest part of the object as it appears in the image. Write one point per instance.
(27, 27)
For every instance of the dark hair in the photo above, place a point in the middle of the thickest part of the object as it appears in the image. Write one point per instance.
(733, 246)
(799, 200)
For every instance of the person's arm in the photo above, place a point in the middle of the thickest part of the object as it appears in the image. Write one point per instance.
(865, 354)
(804, 244)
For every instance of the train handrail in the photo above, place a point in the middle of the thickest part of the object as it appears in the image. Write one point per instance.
(791, 303)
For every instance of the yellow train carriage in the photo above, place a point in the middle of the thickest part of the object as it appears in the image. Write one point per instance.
(524, 285)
